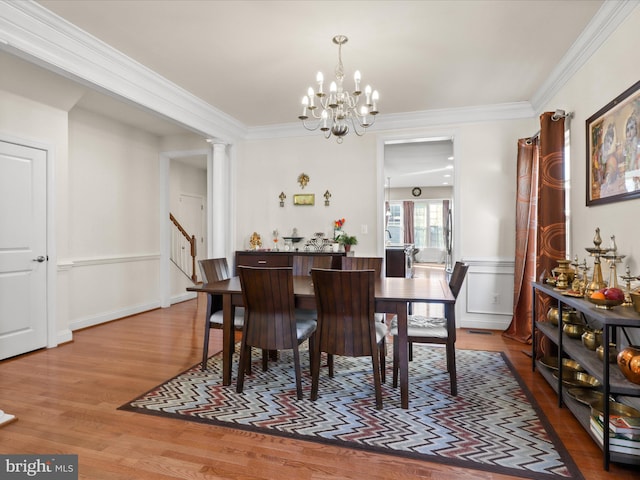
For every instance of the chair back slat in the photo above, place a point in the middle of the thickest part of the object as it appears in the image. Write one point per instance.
(363, 263)
(268, 297)
(302, 264)
(345, 302)
(457, 278)
(214, 269)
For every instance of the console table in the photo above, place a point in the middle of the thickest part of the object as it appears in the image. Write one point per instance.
(612, 380)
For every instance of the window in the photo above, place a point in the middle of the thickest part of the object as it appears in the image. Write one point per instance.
(428, 223)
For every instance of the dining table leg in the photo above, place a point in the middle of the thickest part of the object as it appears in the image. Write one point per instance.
(227, 340)
(403, 345)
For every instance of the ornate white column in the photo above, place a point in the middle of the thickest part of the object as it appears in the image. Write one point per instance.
(219, 181)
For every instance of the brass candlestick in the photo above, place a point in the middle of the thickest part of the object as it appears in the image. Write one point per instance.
(613, 258)
(627, 281)
(597, 282)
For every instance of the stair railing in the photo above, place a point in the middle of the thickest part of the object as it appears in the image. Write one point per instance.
(183, 249)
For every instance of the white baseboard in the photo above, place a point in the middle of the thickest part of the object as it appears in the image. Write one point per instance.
(64, 336)
(183, 297)
(484, 322)
(115, 315)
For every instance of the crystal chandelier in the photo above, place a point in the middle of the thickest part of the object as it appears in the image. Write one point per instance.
(335, 112)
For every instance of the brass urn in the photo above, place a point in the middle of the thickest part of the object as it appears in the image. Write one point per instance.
(629, 363)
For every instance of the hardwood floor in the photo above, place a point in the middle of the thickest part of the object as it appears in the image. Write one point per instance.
(66, 400)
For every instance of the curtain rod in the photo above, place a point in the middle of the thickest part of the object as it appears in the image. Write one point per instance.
(557, 115)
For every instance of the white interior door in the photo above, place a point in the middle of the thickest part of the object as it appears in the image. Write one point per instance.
(23, 255)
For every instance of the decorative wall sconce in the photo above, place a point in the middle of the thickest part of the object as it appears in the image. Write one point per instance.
(282, 196)
(327, 196)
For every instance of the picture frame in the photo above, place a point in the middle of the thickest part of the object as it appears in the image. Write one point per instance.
(613, 150)
(304, 199)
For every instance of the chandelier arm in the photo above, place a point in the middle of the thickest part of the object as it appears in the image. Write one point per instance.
(311, 129)
(357, 124)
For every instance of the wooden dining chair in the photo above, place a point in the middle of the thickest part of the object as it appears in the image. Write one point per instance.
(421, 329)
(270, 322)
(346, 323)
(302, 264)
(363, 263)
(215, 270)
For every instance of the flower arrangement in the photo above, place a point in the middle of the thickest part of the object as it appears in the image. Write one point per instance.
(338, 223)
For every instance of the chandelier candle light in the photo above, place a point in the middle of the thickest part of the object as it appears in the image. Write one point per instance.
(340, 107)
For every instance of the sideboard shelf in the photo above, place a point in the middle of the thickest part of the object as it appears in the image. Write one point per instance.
(611, 378)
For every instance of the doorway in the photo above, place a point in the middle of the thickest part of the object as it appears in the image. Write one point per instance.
(419, 192)
(23, 249)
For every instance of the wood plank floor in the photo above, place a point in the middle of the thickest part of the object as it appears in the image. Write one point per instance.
(66, 399)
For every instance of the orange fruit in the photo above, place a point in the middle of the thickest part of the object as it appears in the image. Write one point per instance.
(597, 296)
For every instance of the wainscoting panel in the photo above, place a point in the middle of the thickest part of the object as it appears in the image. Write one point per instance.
(487, 296)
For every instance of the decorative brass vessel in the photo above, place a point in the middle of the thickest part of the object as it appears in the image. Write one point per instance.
(613, 353)
(564, 273)
(568, 316)
(592, 339)
(629, 363)
(573, 330)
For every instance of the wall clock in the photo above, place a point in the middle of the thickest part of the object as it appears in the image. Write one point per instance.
(416, 192)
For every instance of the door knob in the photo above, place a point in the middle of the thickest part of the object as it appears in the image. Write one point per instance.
(39, 259)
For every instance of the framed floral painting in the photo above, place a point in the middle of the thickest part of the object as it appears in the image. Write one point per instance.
(613, 150)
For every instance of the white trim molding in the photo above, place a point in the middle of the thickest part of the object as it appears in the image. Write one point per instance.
(89, 262)
(487, 294)
(34, 33)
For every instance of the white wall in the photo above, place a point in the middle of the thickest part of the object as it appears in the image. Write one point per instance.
(267, 167)
(114, 234)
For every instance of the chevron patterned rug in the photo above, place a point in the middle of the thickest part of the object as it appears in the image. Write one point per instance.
(492, 425)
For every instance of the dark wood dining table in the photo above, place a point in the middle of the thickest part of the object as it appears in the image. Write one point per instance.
(392, 295)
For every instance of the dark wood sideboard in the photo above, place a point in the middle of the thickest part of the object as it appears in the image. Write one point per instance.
(251, 258)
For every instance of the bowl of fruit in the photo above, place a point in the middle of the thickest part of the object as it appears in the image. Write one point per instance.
(607, 298)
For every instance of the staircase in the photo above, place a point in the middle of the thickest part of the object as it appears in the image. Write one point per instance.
(183, 249)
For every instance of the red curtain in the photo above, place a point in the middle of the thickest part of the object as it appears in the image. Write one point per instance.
(540, 221)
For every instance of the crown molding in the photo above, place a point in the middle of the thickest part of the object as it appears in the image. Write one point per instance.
(32, 32)
(606, 20)
(409, 120)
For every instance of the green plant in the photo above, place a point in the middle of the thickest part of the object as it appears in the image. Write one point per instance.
(345, 239)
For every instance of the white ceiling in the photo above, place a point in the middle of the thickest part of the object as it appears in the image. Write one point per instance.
(254, 60)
